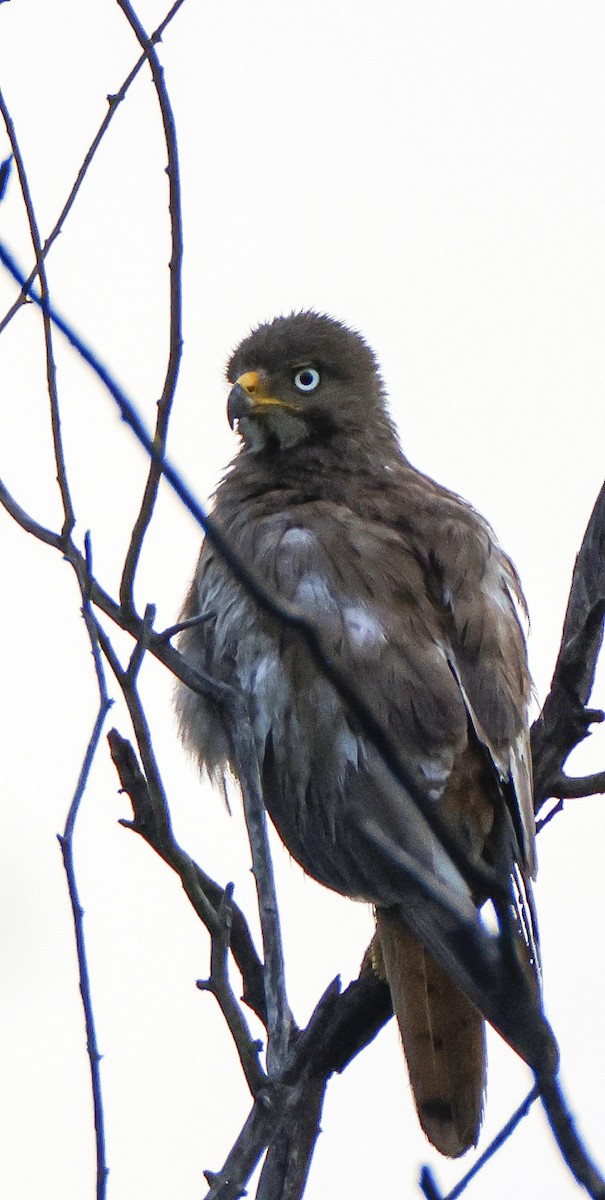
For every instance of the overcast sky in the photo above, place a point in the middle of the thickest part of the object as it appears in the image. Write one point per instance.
(434, 175)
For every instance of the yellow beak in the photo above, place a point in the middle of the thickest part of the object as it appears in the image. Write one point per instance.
(250, 395)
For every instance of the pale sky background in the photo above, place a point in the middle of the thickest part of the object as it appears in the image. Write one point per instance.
(434, 174)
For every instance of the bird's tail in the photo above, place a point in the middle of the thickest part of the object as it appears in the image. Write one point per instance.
(443, 1038)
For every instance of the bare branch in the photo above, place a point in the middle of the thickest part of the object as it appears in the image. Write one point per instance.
(286, 1166)
(565, 719)
(129, 622)
(218, 983)
(114, 101)
(427, 1182)
(149, 790)
(176, 339)
(288, 1114)
(51, 370)
(428, 1187)
(569, 788)
(167, 634)
(27, 522)
(558, 808)
(566, 1135)
(66, 843)
(141, 646)
(230, 1182)
(568, 1139)
(360, 1013)
(149, 821)
(280, 1020)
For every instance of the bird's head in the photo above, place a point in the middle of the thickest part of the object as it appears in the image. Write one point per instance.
(302, 378)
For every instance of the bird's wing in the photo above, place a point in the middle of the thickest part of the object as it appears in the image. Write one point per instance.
(338, 808)
(422, 668)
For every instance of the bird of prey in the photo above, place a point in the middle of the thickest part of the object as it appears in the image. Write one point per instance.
(416, 607)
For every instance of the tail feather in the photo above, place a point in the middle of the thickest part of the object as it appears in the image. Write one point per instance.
(443, 1038)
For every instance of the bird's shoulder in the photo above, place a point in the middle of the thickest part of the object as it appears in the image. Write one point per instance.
(395, 520)
(409, 570)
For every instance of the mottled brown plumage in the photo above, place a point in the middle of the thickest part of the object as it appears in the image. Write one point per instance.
(417, 604)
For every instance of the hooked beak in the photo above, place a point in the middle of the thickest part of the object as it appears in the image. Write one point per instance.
(250, 396)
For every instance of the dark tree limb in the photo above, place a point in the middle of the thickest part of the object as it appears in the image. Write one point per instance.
(566, 787)
(565, 719)
(280, 1020)
(149, 822)
(218, 984)
(230, 1182)
(568, 1139)
(124, 619)
(218, 922)
(290, 1099)
(286, 1167)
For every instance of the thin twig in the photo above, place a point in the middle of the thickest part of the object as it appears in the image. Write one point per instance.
(114, 101)
(5, 170)
(175, 323)
(126, 679)
(51, 370)
(427, 1183)
(66, 843)
(198, 680)
(558, 808)
(149, 822)
(153, 823)
(280, 1020)
(167, 634)
(568, 1140)
(218, 984)
(141, 646)
(428, 1186)
(29, 523)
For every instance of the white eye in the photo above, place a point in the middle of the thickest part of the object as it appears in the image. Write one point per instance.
(307, 379)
